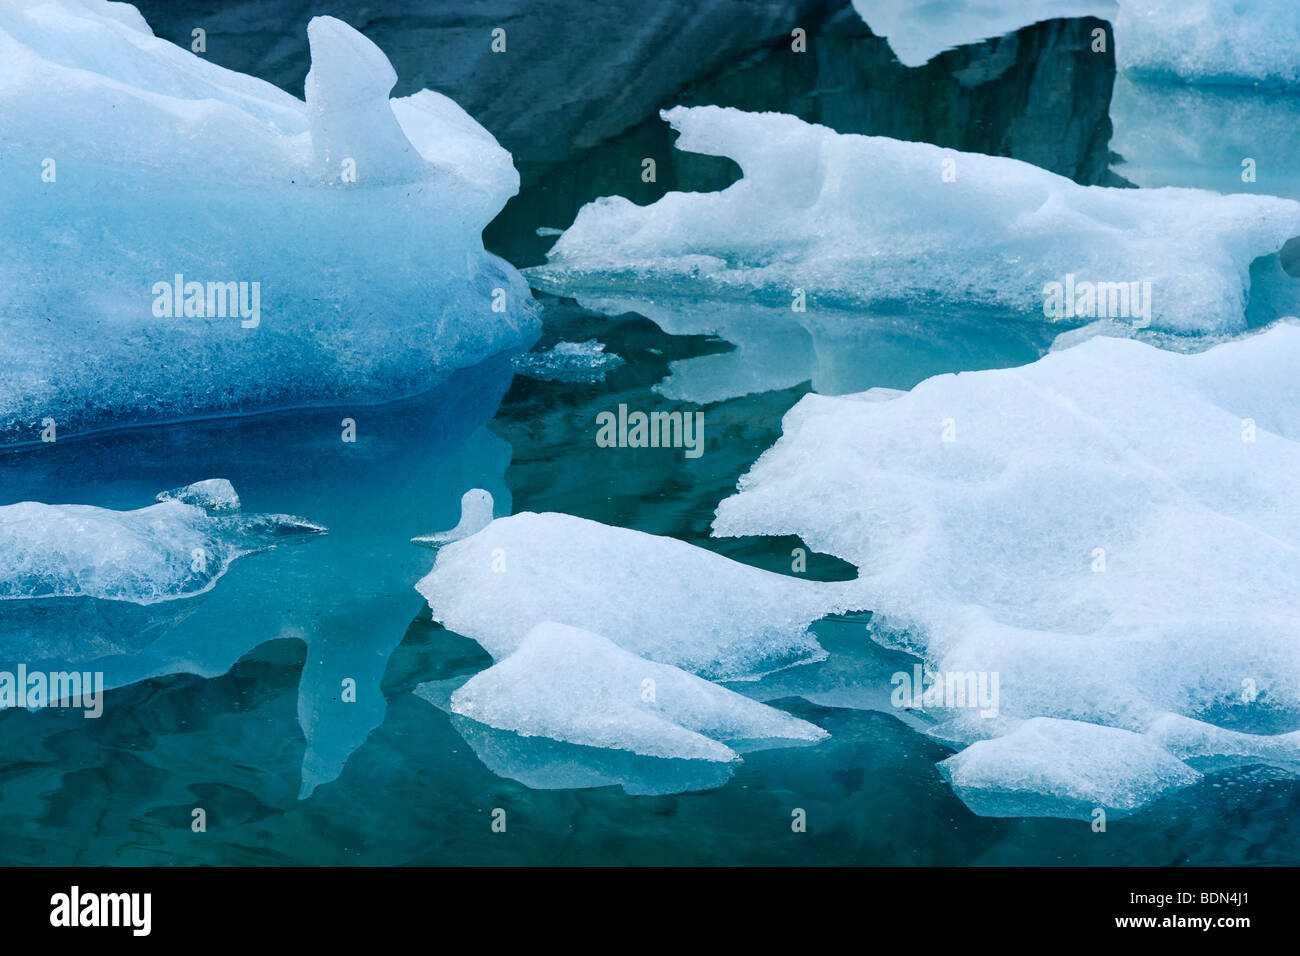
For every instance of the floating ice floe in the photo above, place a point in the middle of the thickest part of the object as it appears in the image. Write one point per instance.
(1210, 41)
(824, 219)
(657, 597)
(182, 241)
(569, 362)
(1112, 530)
(160, 553)
(574, 686)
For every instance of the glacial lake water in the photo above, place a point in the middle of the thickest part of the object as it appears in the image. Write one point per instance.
(121, 789)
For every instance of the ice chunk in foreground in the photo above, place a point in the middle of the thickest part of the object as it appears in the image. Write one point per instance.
(1112, 529)
(1063, 768)
(165, 551)
(575, 686)
(657, 597)
(868, 222)
(181, 241)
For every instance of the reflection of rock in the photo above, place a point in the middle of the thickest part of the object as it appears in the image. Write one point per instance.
(349, 595)
(597, 74)
(573, 72)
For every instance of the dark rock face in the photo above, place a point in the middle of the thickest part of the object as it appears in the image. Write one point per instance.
(574, 72)
(575, 96)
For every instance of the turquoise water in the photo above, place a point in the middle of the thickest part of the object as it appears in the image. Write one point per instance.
(121, 789)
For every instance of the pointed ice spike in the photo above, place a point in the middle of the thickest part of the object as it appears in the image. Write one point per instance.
(475, 515)
(354, 134)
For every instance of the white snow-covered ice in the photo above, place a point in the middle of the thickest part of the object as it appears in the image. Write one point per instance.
(1240, 42)
(1111, 529)
(657, 597)
(822, 218)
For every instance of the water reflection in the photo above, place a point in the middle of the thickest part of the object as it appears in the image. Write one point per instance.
(350, 596)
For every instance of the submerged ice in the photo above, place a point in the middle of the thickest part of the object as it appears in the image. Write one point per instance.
(1111, 529)
(181, 240)
(865, 222)
(569, 362)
